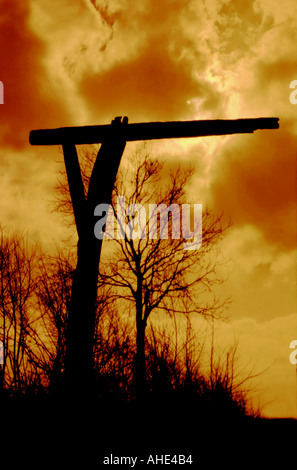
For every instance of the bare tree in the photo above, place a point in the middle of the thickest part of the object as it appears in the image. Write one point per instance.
(151, 271)
(19, 318)
(53, 292)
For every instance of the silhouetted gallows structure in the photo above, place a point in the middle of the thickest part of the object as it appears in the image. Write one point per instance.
(113, 137)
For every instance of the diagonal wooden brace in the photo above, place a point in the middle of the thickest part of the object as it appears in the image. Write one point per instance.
(76, 186)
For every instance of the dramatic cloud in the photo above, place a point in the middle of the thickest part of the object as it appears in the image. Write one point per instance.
(26, 194)
(151, 67)
(254, 183)
(29, 101)
(260, 278)
(145, 88)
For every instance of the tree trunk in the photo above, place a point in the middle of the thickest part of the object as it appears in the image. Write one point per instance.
(140, 361)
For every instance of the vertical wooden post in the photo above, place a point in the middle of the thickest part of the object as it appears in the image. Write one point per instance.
(81, 315)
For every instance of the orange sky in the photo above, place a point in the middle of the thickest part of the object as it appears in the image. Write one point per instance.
(67, 63)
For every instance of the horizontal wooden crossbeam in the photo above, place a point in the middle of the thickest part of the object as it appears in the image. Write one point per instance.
(150, 130)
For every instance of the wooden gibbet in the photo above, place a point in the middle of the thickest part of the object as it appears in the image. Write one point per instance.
(113, 137)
